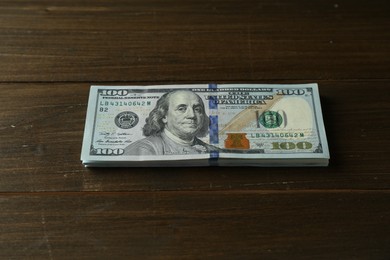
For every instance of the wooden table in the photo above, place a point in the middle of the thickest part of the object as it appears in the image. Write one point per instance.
(51, 207)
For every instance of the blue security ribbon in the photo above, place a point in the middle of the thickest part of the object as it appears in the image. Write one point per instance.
(213, 127)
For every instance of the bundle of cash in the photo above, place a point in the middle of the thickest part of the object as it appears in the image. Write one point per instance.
(204, 125)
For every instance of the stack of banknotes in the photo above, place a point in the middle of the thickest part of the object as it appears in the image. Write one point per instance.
(204, 125)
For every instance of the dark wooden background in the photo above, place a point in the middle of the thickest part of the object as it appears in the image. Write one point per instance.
(51, 207)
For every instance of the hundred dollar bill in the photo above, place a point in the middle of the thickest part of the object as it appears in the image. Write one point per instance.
(205, 124)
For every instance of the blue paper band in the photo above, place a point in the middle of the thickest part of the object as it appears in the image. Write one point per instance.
(214, 140)
(214, 155)
(213, 86)
(213, 130)
(213, 104)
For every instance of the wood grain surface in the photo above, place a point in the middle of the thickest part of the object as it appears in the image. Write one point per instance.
(51, 207)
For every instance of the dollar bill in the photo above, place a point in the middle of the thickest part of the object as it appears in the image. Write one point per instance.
(205, 124)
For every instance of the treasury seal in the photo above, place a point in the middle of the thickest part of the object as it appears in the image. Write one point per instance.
(270, 119)
(126, 120)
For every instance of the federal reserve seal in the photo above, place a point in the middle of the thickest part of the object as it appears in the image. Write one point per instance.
(270, 119)
(126, 120)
